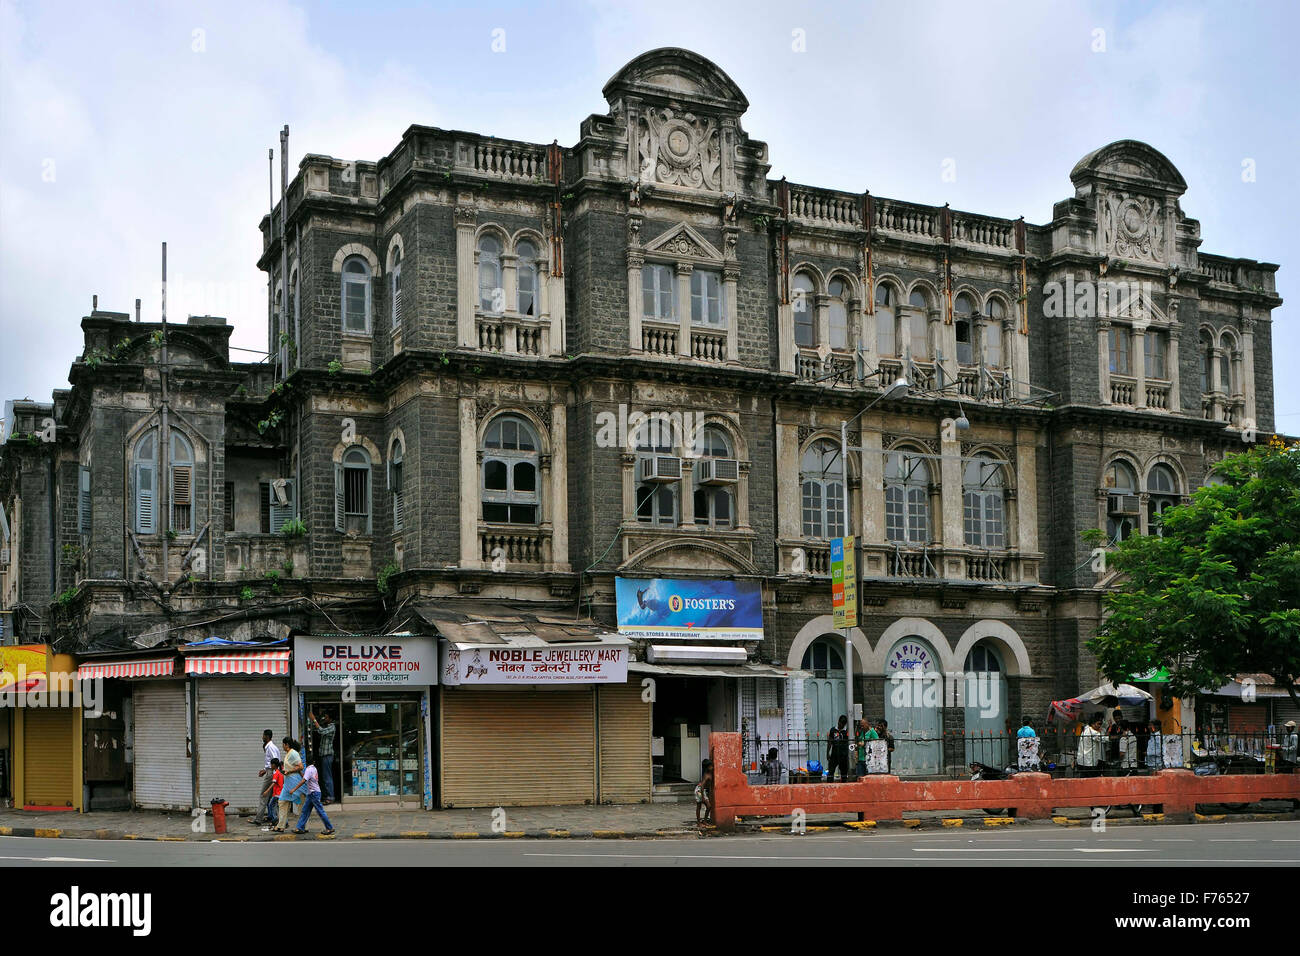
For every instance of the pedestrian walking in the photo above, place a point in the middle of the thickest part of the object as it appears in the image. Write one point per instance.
(266, 809)
(838, 746)
(292, 768)
(311, 782)
(325, 728)
(704, 795)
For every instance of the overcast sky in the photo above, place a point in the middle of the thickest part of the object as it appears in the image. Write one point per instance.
(126, 124)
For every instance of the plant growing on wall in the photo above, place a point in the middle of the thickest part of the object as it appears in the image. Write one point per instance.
(382, 581)
(293, 528)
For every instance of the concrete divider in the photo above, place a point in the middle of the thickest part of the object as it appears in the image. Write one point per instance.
(1028, 795)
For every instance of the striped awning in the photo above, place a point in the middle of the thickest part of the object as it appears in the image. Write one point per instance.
(239, 662)
(156, 667)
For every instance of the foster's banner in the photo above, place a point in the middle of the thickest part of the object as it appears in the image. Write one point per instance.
(658, 608)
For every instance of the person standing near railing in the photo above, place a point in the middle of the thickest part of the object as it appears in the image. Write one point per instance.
(1091, 742)
(865, 732)
(1290, 742)
(838, 745)
(1155, 744)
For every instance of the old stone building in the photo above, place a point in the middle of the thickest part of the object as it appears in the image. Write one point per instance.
(452, 329)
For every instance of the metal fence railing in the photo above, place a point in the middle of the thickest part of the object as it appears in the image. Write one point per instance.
(1059, 752)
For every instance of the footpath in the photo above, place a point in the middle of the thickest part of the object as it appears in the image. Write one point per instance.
(653, 820)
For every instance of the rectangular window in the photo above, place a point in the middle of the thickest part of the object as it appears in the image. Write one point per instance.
(146, 499)
(83, 502)
(812, 509)
(1119, 352)
(839, 325)
(1153, 346)
(657, 293)
(895, 515)
(657, 503)
(229, 492)
(355, 311)
(182, 499)
(965, 350)
(706, 298)
(396, 292)
(920, 342)
(993, 345)
(399, 498)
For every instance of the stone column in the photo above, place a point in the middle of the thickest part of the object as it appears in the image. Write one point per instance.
(742, 497)
(787, 482)
(1175, 378)
(1103, 359)
(821, 323)
(943, 338)
(469, 485)
(466, 277)
(950, 475)
(1026, 485)
(785, 337)
(686, 493)
(684, 271)
(559, 487)
(635, 261)
(730, 281)
(1247, 374)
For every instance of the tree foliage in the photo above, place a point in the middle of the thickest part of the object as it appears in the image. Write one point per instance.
(1214, 591)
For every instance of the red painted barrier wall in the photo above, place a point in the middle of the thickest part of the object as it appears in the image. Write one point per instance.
(1031, 795)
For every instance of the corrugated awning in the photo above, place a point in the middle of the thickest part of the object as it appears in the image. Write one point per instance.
(155, 667)
(469, 626)
(275, 663)
(716, 670)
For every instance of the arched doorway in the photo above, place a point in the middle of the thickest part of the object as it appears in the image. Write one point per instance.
(913, 696)
(985, 699)
(824, 693)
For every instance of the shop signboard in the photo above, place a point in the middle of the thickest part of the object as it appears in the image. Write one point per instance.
(24, 668)
(679, 609)
(559, 664)
(375, 663)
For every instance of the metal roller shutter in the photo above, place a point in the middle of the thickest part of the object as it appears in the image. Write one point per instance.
(624, 744)
(164, 774)
(233, 712)
(1285, 709)
(518, 748)
(47, 757)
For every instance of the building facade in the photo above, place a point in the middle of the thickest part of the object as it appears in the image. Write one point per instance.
(502, 375)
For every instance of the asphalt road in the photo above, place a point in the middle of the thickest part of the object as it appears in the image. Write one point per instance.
(1193, 845)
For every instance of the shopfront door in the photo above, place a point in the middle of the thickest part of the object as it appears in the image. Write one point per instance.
(913, 696)
(379, 750)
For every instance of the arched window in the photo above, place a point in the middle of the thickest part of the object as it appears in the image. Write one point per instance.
(1122, 503)
(1162, 494)
(822, 483)
(491, 296)
(1228, 365)
(526, 278)
(395, 287)
(656, 492)
(838, 314)
(805, 310)
(983, 504)
(289, 335)
(352, 511)
(396, 456)
(821, 657)
(181, 483)
(714, 500)
(919, 326)
(907, 498)
(356, 295)
(886, 329)
(658, 292)
(510, 461)
(144, 469)
(993, 334)
(277, 332)
(982, 660)
(964, 310)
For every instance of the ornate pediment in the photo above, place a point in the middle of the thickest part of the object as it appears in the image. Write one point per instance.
(683, 242)
(1132, 226)
(679, 148)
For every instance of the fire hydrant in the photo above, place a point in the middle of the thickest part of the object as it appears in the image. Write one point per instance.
(219, 814)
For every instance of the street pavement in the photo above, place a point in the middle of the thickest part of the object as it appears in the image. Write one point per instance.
(1229, 844)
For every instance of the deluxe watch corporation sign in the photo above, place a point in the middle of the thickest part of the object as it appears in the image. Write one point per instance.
(373, 662)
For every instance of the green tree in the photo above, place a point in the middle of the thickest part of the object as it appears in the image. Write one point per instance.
(1214, 590)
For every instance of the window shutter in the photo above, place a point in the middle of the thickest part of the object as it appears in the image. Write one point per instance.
(280, 513)
(396, 282)
(83, 502)
(182, 498)
(399, 497)
(338, 498)
(146, 499)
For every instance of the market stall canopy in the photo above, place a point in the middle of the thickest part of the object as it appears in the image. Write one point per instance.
(1246, 686)
(1107, 695)
(219, 656)
(144, 667)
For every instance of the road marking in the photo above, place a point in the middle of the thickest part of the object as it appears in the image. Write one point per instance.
(853, 859)
(53, 859)
(1020, 849)
(1235, 840)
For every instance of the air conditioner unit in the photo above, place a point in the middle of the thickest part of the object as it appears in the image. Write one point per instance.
(4, 557)
(718, 471)
(1124, 505)
(660, 468)
(6, 627)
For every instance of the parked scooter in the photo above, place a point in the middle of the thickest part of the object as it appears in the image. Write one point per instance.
(982, 771)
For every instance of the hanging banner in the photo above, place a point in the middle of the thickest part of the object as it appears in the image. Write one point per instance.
(658, 608)
(844, 582)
